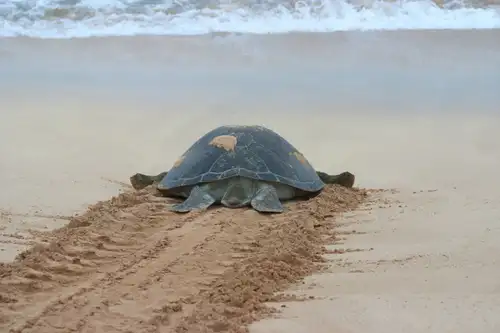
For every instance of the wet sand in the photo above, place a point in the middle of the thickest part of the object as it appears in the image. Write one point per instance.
(411, 111)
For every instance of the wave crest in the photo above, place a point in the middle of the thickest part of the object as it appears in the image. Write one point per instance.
(85, 18)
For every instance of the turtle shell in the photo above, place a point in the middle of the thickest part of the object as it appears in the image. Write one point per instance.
(247, 151)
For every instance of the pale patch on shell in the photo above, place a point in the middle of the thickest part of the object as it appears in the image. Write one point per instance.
(300, 157)
(179, 161)
(227, 142)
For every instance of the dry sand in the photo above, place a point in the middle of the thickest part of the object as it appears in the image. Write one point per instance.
(420, 256)
(433, 263)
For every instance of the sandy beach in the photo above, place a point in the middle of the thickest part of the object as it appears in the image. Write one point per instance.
(414, 114)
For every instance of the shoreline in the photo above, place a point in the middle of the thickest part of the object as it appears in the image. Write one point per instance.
(395, 111)
(416, 71)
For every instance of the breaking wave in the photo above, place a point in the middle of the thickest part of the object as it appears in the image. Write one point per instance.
(86, 18)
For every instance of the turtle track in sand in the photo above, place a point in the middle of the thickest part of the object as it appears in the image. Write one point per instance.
(130, 265)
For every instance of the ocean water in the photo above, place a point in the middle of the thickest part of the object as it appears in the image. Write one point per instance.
(87, 18)
(251, 54)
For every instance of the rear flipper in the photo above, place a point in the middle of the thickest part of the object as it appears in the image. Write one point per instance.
(266, 200)
(198, 199)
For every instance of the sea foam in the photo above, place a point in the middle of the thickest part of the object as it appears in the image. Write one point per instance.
(87, 18)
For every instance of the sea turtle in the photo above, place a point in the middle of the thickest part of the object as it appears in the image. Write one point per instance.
(240, 166)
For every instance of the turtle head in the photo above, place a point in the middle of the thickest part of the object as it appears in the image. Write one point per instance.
(140, 181)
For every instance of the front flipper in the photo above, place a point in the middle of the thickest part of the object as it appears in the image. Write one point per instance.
(345, 179)
(198, 199)
(266, 200)
(140, 180)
